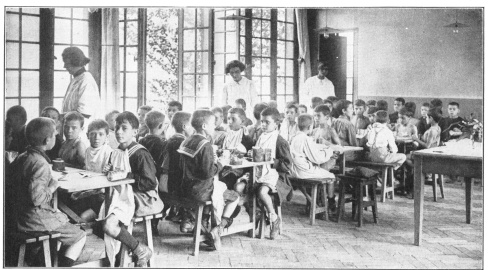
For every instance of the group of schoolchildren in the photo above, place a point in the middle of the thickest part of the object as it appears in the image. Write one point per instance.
(183, 154)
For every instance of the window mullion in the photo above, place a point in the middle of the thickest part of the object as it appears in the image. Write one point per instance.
(274, 54)
(142, 52)
(46, 59)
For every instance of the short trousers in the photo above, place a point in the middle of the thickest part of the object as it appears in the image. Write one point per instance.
(70, 234)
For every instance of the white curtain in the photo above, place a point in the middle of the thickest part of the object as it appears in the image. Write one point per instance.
(303, 44)
(110, 60)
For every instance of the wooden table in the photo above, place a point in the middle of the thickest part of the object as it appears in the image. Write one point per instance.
(235, 228)
(342, 162)
(75, 181)
(458, 160)
(405, 141)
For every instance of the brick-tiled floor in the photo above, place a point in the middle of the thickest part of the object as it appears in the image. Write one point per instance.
(448, 242)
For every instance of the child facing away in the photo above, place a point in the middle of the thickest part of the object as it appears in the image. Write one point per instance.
(324, 134)
(240, 103)
(142, 129)
(256, 130)
(111, 120)
(16, 118)
(289, 127)
(53, 113)
(360, 121)
(144, 189)
(154, 141)
(200, 168)
(308, 156)
(423, 125)
(381, 142)
(316, 101)
(33, 186)
(172, 108)
(450, 129)
(72, 150)
(342, 111)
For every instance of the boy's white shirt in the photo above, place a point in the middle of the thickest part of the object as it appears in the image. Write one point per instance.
(268, 141)
(381, 136)
(97, 158)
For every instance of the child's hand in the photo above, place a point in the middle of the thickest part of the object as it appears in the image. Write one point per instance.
(414, 137)
(106, 168)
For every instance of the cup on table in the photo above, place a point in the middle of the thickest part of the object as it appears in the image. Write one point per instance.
(267, 154)
(58, 165)
(226, 154)
(257, 154)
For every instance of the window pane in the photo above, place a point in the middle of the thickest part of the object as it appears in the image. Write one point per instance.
(281, 49)
(30, 28)
(256, 28)
(202, 62)
(202, 42)
(30, 56)
(219, 42)
(12, 55)
(280, 85)
(218, 84)
(349, 53)
(281, 104)
(349, 86)
(189, 103)
(256, 12)
(59, 59)
(131, 84)
(32, 107)
(30, 83)
(131, 13)
(265, 66)
(63, 12)
(242, 46)
(266, 29)
(231, 44)
(202, 86)
(62, 31)
(61, 82)
(58, 103)
(189, 40)
(188, 62)
(266, 47)
(289, 31)
(131, 59)
(12, 84)
(349, 71)
(121, 33)
(189, 17)
(188, 85)
(289, 50)
(281, 30)
(265, 84)
(229, 57)
(289, 86)
(281, 67)
(203, 17)
(81, 13)
(290, 14)
(12, 27)
(9, 103)
(81, 32)
(281, 14)
(289, 67)
(203, 102)
(219, 64)
(131, 33)
(242, 28)
(256, 66)
(121, 59)
(256, 47)
(131, 105)
(266, 13)
(219, 24)
(30, 10)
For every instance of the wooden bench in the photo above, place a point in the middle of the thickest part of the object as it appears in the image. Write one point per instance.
(387, 175)
(125, 256)
(315, 184)
(357, 199)
(23, 238)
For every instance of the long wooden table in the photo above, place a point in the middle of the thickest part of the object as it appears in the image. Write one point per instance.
(458, 160)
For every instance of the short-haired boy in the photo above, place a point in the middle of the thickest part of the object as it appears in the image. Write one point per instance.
(449, 125)
(142, 129)
(289, 127)
(172, 108)
(53, 113)
(398, 105)
(372, 102)
(200, 168)
(16, 118)
(240, 103)
(302, 109)
(72, 150)
(33, 187)
(423, 125)
(220, 127)
(256, 130)
(146, 198)
(382, 105)
(324, 134)
(316, 101)
(360, 121)
(111, 120)
(154, 141)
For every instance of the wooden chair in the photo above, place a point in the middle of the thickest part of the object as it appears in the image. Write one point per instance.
(24, 238)
(387, 175)
(315, 184)
(357, 199)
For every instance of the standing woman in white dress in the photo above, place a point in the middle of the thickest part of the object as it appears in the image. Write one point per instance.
(240, 87)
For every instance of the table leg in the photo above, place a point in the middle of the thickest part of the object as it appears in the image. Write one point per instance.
(342, 164)
(418, 199)
(469, 182)
(107, 199)
(55, 199)
(254, 206)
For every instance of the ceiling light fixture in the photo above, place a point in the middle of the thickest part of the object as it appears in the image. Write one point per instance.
(456, 26)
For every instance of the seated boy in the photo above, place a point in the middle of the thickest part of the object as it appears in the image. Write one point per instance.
(256, 130)
(200, 167)
(143, 129)
(371, 117)
(146, 198)
(449, 125)
(289, 127)
(360, 121)
(53, 113)
(324, 134)
(220, 130)
(17, 117)
(33, 186)
(154, 141)
(382, 105)
(302, 109)
(411, 106)
(172, 108)
(72, 150)
(111, 120)
(398, 105)
(307, 157)
(404, 129)
(240, 103)
(316, 101)
(423, 125)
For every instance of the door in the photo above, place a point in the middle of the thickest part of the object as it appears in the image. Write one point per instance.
(332, 50)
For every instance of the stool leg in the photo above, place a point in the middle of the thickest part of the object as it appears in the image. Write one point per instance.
(440, 181)
(433, 185)
(55, 256)
(47, 253)
(353, 203)
(392, 178)
(360, 204)
(324, 201)
(341, 200)
(254, 209)
(262, 224)
(278, 209)
(373, 197)
(384, 183)
(125, 254)
(22, 255)
(197, 230)
(313, 204)
(148, 232)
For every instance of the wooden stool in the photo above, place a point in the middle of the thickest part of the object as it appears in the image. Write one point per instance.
(125, 255)
(314, 183)
(436, 180)
(24, 238)
(262, 224)
(357, 199)
(387, 175)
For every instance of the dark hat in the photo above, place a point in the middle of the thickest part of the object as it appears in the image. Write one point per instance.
(75, 57)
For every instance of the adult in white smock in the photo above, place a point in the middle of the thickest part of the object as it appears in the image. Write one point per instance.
(240, 87)
(317, 86)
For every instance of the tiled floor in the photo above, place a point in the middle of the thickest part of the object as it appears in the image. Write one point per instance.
(448, 242)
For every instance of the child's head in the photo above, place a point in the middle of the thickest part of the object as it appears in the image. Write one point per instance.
(436, 103)
(126, 127)
(142, 111)
(332, 99)
(240, 103)
(372, 102)
(235, 118)
(258, 108)
(405, 114)
(41, 131)
(371, 114)
(316, 101)
(382, 105)
(434, 116)
(342, 107)
(181, 123)
(173, 107)
(411, 106)
(218, 112)
(269, 119)
(302, 109)
(359, 107)
(203, 121)
(305, 122)
(291, 112)
(111, 118)
(424, 109)
(453, 109)
(225, 112)
(16, 117)
(51, 112)
(273, 104)
(155, 122)
(74, 124)
(98, 131)
(322, 114)
(328, 102)
(381, 117)
(398, 104)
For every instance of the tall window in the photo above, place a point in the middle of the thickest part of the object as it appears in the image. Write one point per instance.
(285, 60)
(71, 29)
(22, 59)
(195, 80)
(349, 64)
(128, 58)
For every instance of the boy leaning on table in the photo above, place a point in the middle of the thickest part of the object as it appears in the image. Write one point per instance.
(32, 187)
